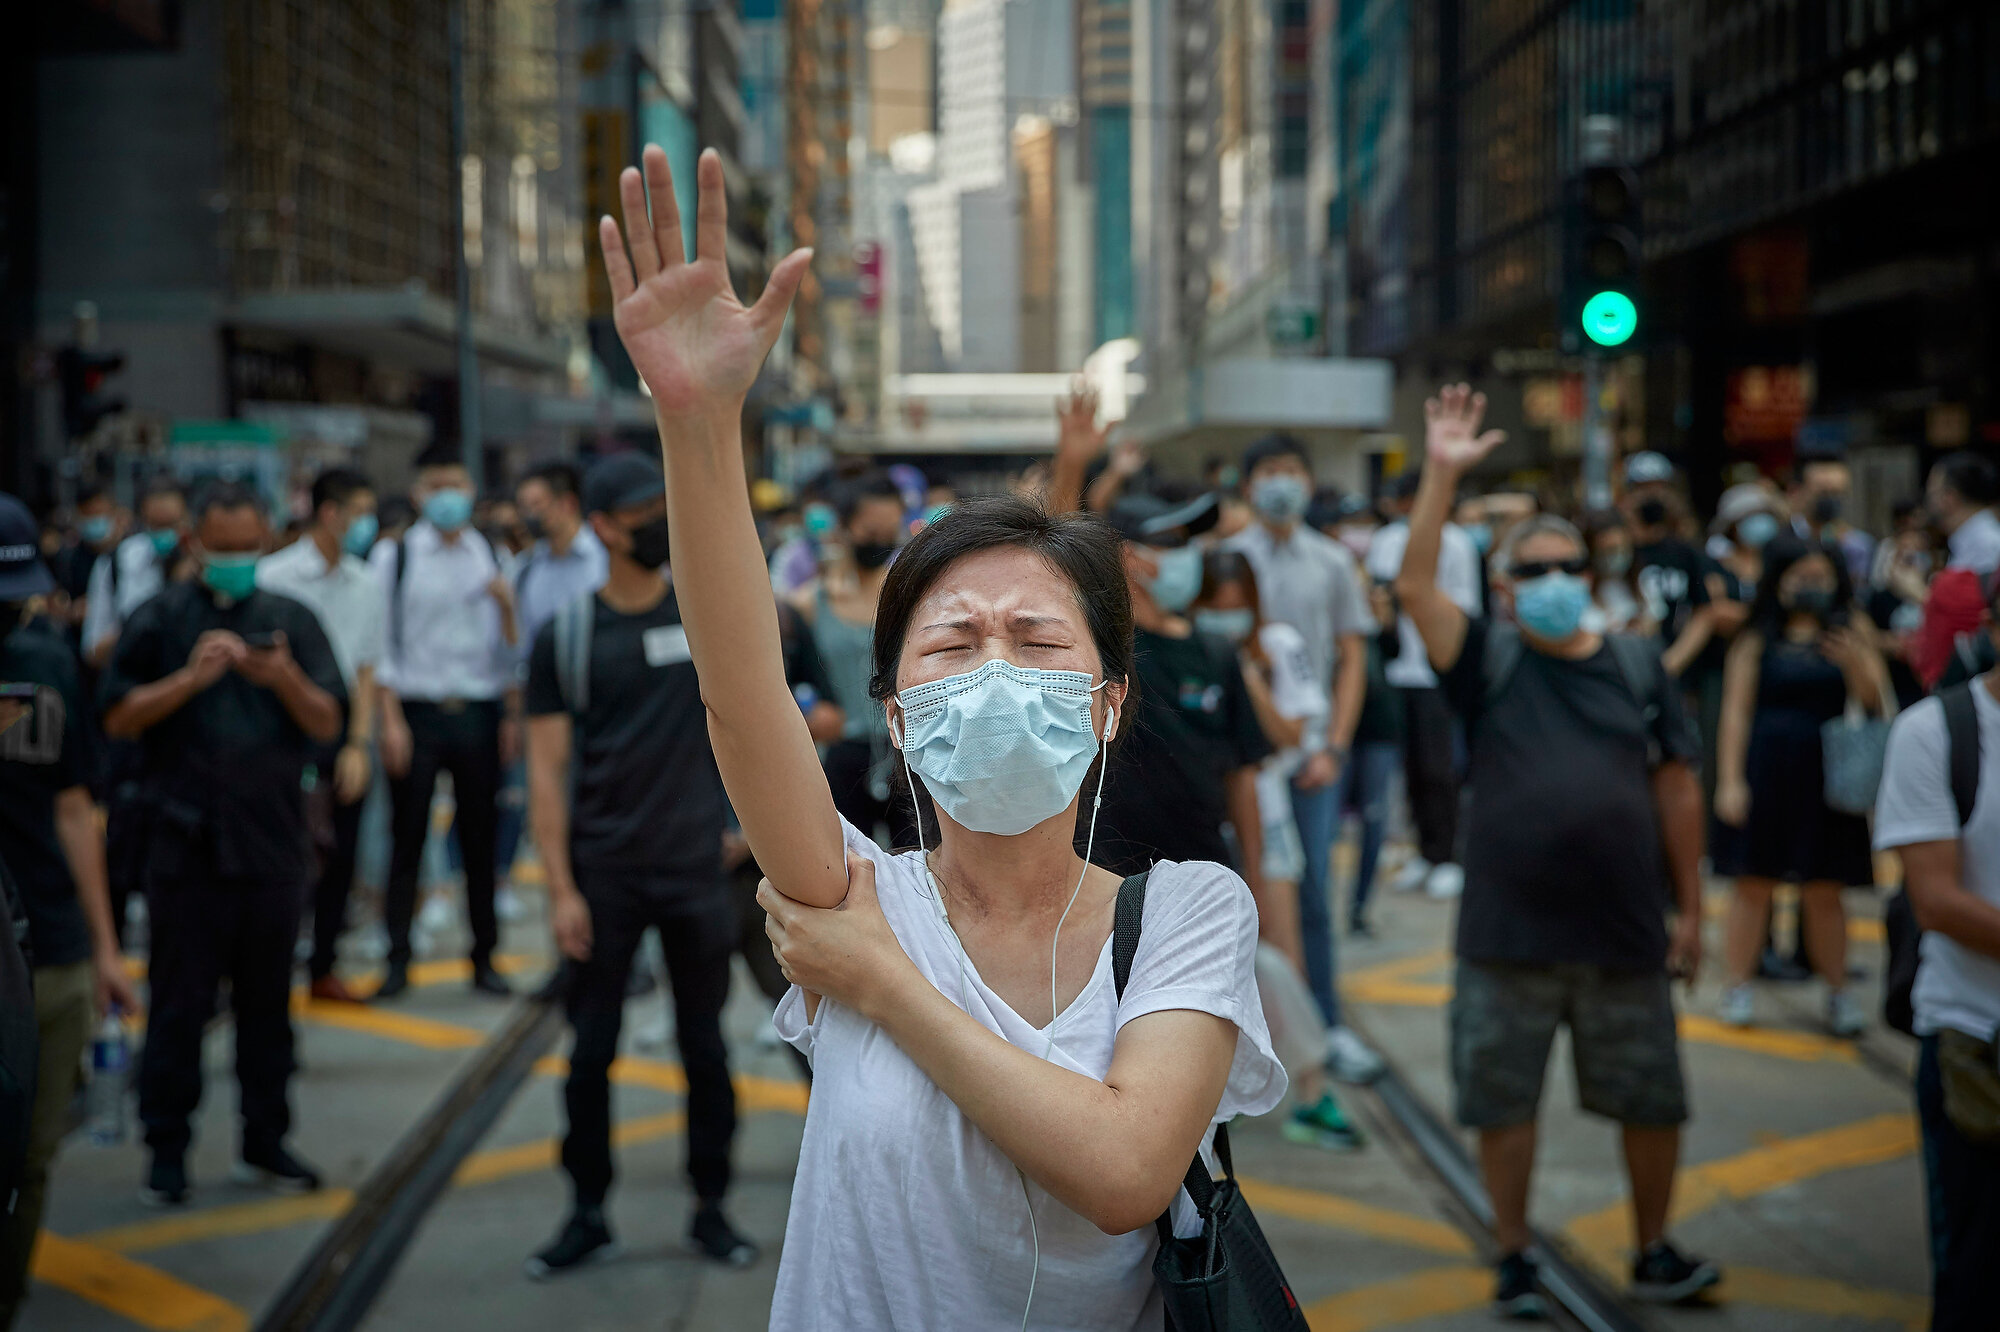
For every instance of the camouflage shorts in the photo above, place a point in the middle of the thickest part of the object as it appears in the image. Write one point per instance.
(1622, 1037)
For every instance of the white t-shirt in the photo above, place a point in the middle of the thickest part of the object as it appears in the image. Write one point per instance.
(906, 1216)
(1457, 578)
(1295, 693)
(1956, 987)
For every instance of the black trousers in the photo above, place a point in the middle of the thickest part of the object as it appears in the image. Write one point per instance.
(336, 880)
(755, 945)
(1964, 1185)
(1430, 770)
(697, 925)
(206, 930)
(463, 740)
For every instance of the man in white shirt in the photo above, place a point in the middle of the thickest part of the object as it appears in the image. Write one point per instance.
(1310, 582)
(138, 568)
(449, 702)
(324, 569)
(1431, 746)
(1940, 811)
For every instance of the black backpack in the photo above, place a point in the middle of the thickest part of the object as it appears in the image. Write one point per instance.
(20, 1040)
(1899, 920)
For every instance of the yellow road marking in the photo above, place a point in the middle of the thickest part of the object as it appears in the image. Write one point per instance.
(1604, 1235)
(1823, 1296)
(544, 1153)
(233, 1219)
(1433, 1292)
(1328, 1209)
(145, 1295)
(407, 1028)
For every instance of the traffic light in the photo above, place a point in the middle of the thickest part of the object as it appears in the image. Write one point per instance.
(1601, 256)
(84, 370)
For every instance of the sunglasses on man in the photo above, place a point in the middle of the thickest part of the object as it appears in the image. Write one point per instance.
(1529, 570)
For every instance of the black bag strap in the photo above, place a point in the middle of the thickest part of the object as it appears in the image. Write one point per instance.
(1961, 729)
(1127, 917)
(396, 598)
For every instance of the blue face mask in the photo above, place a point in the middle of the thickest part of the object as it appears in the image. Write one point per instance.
(1234, 625)
(448, 510)
(1482, 537)
(1551, 606)
(360, 538)
(95, 529)
(1179, 579)
(233, 575)
(1282, 499)
(164, 540)
(1001, 748)
(1757, 530)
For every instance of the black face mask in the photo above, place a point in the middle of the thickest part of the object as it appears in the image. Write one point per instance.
(649, 543)
(872, 554)
(1652, 512)
(1814, 601)
(534, 526)
(1827, 509)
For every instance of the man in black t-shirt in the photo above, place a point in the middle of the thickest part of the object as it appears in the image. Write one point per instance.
(230, 690)
(1671, 576)
(628, 811)
(1585, 809)
(1187, 763)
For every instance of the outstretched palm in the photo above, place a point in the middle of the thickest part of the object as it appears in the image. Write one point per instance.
(694, 343)
(1451, 428)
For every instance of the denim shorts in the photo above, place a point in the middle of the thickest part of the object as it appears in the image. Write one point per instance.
(1622, 1036)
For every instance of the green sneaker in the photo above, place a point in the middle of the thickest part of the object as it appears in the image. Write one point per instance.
(1322, 1125)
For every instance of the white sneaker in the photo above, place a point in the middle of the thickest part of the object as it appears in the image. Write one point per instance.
(437, 914)
(1349, 1059)
(1739, 1006)
(507, 905)
(1445, 882)
(1843, 1016)
(1410, 878)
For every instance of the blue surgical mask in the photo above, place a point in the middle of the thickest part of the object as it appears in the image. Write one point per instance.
(1234, 625)
(232, 575)
(1282, 499)
(1482, 537)
(448, 510)
(1001, 748)
(360, 538)
(95, 528)
(1179, 579)
(1757, 530)
(164, 539)
(1551, 606)
(820, 520)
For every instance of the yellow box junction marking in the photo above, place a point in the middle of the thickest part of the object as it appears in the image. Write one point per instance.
(144, 1295)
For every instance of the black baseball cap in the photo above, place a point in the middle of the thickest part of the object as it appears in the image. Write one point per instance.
(622, 481)
(1147, 518)
(22, 573)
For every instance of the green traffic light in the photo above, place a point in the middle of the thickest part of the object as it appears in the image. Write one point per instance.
(1610, 318)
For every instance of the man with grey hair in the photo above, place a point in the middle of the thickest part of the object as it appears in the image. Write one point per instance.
(1585, 810)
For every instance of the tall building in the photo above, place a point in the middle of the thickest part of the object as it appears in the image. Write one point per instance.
(1104, 162)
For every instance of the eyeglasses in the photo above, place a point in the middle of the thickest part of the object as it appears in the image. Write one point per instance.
(1529, 570)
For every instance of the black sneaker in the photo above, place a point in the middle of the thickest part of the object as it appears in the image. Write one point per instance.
(1665, 1275)
(712, 1236)
(584, 1240)
(394, 981)
(1515, 1292)
(485, 980)
(166, 1182)
(276, 1169)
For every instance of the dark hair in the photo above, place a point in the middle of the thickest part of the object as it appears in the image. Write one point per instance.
(873, 484)
(1079, 546)
(226, 495)
(90, 494)
(1274, 446)
(1597, 522)
(1970, 476)
(163, 485)
(562, 479)
(443, 453)
(1403, 485)
(337, 485)
(395, 511)
(1781, 552)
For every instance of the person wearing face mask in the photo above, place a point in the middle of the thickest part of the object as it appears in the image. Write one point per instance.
(1819, 498)
(231, 690)
(1614, 608)
(449, 696)
(838, 608)
(1585, 812)
(1310, 582)
(1803, 660)
(1001, 1105)
(1673, 580)
(138, 568)
(628, 811)
(325, 571)
(99, 528)
(1960, 494)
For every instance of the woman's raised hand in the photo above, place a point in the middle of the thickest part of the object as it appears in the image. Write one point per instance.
(694, 343)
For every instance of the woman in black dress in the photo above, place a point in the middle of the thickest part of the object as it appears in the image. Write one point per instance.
(1798, 663)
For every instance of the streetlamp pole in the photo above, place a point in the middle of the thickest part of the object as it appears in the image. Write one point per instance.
(471, 442)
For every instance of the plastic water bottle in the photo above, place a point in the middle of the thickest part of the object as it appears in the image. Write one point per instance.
(110, 1070)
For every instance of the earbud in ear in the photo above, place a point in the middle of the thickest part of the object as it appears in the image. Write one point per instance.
(1110, 722)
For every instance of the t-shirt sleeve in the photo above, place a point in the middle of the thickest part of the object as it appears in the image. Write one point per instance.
(1914, 803)
(1673, 729)
(1351, 614)
(310, 649)
(544, 695)
(1385, 552)
(138, 658)
(1198, 950)
(1465, 683)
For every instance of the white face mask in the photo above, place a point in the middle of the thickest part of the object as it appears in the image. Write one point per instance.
(1003, 747)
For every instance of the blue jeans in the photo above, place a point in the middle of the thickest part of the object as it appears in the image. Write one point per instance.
(1374, 766)
(1317, 813)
